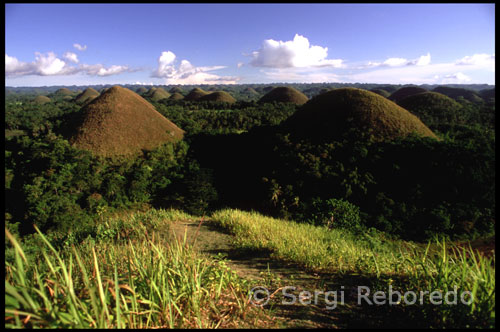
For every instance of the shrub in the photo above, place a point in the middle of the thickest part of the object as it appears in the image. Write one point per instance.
(335, 213)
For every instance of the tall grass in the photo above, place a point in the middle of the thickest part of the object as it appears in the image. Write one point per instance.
(147, 281)
(437, 268)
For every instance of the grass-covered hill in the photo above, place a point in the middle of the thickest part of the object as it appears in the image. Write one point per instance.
(382, 92)
(332, 114)
(218, 96)
(176, 96)
(175, 89)
(120, 122)
(63, 92)
(405, 92)
(39, 100)
(86, 96)
(284, 95)
(195, 94)
(456, 93)
(432, 107)
(158, 94)
(141, 90)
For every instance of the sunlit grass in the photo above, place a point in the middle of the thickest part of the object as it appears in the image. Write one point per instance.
(437, 268)
(114, 282)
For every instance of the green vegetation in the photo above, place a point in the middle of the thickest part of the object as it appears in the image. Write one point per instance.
(349, 185)
(132, 273)
(437, 268)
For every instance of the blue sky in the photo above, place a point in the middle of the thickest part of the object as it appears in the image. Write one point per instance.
(82, 44)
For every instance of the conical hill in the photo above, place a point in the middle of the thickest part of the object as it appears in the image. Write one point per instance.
(330, 115)
(120, 122)
(159, 94)
(40, 100)
(195, 94)
(405, 92)
(86, 96)
(284, 95)
(218, 96)
(176, 96)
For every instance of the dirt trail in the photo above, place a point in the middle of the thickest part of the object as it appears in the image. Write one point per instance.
(256, 265)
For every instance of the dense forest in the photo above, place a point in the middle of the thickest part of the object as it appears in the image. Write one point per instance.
(240, 155)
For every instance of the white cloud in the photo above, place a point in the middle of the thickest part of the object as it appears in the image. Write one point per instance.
(456, 78)
(423, 60)
(100, 70)
(394, 62)
(70, 56)
(186, 73)
(240, 64)
(50, 65)
(80, 47)
(143, 83)
(296, 53)
(478, 60)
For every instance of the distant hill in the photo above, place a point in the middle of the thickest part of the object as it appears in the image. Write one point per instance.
(456, 93)
(141, 90)
(329, 115)
(487, 94)
(195, 94)
(63, 92)
(432, 107)
(40, 100)
(218, 96)
(176, 96)
(175, 89)
(86, 96)
(382, 92)
(121, 123)
(405, 92)
(284, 95)
(158, 94)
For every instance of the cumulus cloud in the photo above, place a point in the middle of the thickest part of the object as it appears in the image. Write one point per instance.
(456, 78)
(100, 70)
(80, 47)
(50, 65)
(296, 53)
(478, 60)
(186, 73)
(70, 56)
(423, 60)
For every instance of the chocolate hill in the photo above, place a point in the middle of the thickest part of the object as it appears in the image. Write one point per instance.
(218, 96)
(430, 105)
(141, 90)
(330, 115)
(120, 122)
(405, 92)
(284, 95)
(456, 93)
(176, 96)
(175, 89)
(195, 94)
(86, 96)
(158, 94)
(382, 92)
(63, 92)
(40, 100)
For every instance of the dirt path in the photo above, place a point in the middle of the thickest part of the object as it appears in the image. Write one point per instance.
(258, 265)
(214, 241)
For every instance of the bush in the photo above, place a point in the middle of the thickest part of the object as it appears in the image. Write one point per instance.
(335, 213)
